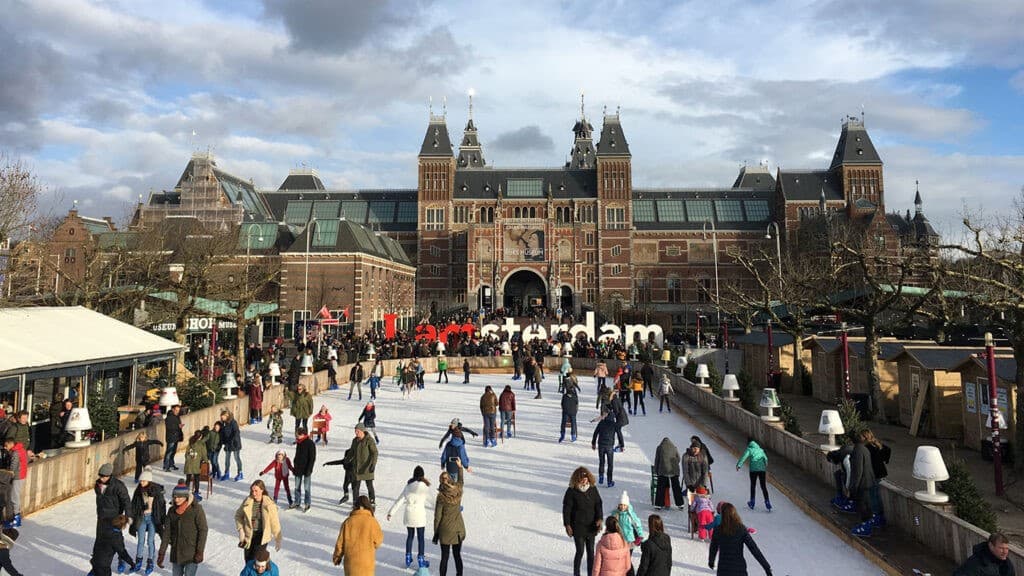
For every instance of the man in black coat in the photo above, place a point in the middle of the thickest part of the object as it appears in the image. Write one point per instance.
(172, 435)
(570, 406)
(111, 497)
(647, 373)
(666, 468)
(989, 558)
(582, 514)
(604, 442)
(862, 478)
(305, 458)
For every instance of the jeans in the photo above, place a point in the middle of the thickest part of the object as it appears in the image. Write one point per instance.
(418, 532)
(184, 569)
(172, 449)
(374, 384)
(506, 422)
(638, 402)
(583, 543)
(875, 496)
(754, 477)
(609, 455)
(215, 462)
(489, 426)
(303, 484)
(571, 419)
(147, 537)
(369, 489)
(227, 461)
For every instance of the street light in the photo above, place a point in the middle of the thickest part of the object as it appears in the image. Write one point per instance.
(778, 249)
(714, 239)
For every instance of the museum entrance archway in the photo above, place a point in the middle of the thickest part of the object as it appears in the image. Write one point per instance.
(524, 292)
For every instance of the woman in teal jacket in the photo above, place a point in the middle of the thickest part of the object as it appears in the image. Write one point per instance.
(758, 471)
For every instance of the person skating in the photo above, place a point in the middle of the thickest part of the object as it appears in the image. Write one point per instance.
(275, 425)
(507, 407)
(704, 511)
(603, 441)
(455, 451)
(111, 497)
(442, 368)
(489, 411)
(305, 458)
(465, 371)
(637, 386)
(148, 514)
(630, 527)
(358, 539)
(656, 551)
(570, 407)
(257, 523)
(601, 373)
(989, 558)
(256, 399)
(666, 467)
(173, 434)
(414, 497)
(454, 425)
(369, 419)
(195, 455)
(665, 401)
(231, 441)
(582, 515)
(213, 449)
(355, 380)
(862, 478)
(261, 565)
(282, 467)
(758, 471)
(376, 373)
(18, 469)
(141, 448)
(348, 463)
(364, 457)
(302, 407)
(529, 367)
(880, 454)
(449, 527)
(611, 558)
(647, 373)
(7, 539)
(695, 468)
(110, 543)
(185, 532)
(727, 544)
(322, 424)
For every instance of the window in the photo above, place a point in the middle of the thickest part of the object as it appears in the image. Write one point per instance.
(757, 210)
(675, 289)
(297, 212)
(615, 218)
(671, 211)
(729, 210)
(69, 255)
(298, 318)
(590, 294)
(564, 215)
(590, 238)
(590, 257)
(642, 286)
(407, 212)
(325, 233)
(698, 210)
(616, 250)
(704, 290)
(486, 215)
(435, 219)
(672, 251)
(616, 270)
(435, 251)
(585, 214)
(590, 277)
(524, 188)
(435, 270)
(326, 209)
(643, 211)
(355, 211)
(460, 214)
(381, 212)
(533, 212)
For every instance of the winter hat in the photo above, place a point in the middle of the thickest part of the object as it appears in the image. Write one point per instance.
(624, 501)
(361, 426)
(147, 475)
(418, 473)
(180, 489)
(107, 469)
(702, 491)
(455, 422)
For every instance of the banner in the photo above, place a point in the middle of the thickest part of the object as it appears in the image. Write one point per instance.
(524, 244)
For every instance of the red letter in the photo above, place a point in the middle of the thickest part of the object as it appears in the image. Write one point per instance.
(389, 325)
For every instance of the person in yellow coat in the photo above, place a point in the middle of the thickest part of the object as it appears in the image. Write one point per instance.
(358, 540)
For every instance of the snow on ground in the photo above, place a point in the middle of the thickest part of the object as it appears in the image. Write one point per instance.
(512, 501)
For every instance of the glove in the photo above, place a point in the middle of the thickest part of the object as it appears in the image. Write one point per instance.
(638, 541)
(711, 565)
(241, 544)
(277, 545)
(435, 539)
(198, 559)
(160, 559)
(568, 531)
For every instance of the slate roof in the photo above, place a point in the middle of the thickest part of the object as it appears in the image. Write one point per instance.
(829, 345)
(561, 182)
(690, 208)
(436, 141)
(471, 154)
(756, 177)
(393, 210)
(613, 141)
(302, 181)
(346, 236)
(779, 339)
(1006, 367)
(886, 350)
(96, 225)
(806, 185)
(939, 358)
(854, 146)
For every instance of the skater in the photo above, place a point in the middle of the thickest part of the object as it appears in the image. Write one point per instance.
(414, 496)
(282, 467)
(408, 377)
(489, 411)
(622, 386)
(141, 447)
(705, 450)
(355, 380)
(612, 555)
(758, 471)
(7, 539)
(369, 419)
(18, 469)
(110, 543)
(880, 454)
(148, 513)
(507, 407)
(173, 435)
(529, 368)
(656, 551)
(275, 425)
(256, 399)
(302, 407)
(454, 425)
(517, 363)
(185, 532)
(260, 565)
(332, 372)
(358, 539)
(231, 441)
(666, 468)
(630, 527)
(111, 498)
(570, 406)
(455, 451)
(305, 458)
(637, 385)
(364, 457)
(195, 455)
(256, 521)
(421, 373)
(213, 449)
(563, 373)
(465, 371)
(989, 558)
(348, 463)
(449, 528)
(665, 401)
(376, 373)
(862, 478)
(581, 515)
(695, 468)
(604, 442)
(727, 544)
(322, 424)
(703, 511)
(601, 373)
(442, 368)
(647, 374)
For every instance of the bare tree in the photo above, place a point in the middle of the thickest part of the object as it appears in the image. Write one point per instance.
(19, 198)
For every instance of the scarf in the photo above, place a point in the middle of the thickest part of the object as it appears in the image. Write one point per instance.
(181, 509)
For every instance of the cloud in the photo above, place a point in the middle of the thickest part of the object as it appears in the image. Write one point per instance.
(1017, 81)
(337, 27)
(527, 138)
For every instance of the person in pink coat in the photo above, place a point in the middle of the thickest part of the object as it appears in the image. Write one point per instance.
(322, 424)
(612, 555)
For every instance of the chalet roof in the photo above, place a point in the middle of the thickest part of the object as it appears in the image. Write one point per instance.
(779, 339)
(938, 357)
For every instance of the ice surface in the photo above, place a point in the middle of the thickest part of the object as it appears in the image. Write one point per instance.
(512, 501)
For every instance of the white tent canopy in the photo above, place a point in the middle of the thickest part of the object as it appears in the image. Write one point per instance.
(50, 338)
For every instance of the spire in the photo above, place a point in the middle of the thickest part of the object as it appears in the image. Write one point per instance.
(471, 154)
(613, 141)
(583, 153)
(436, 142)
(918, 204)
(854, 146)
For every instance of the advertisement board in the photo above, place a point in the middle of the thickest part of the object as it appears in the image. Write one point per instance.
(524, 244)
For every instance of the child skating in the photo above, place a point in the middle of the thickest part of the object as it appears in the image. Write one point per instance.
(322, 424)
(276, 425)
(369, 419)
(703, 511)
(630, 526)
(282, 467)
(758, 471)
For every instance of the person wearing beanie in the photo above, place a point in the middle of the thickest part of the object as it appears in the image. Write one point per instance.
(110, 543)
(195, 455)
(148, 513)
(7, 539)
(630, 527)
(185, 532)
(414, 496)
(111, 500)
(364, 457)
(141, 447)
(703, 511)
(455, 450)
(455, 426)
(261, 565)
(358, 539)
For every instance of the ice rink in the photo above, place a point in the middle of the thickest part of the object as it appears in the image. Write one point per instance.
(512, 501)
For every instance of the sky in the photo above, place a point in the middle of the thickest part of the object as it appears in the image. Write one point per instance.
(101, 99)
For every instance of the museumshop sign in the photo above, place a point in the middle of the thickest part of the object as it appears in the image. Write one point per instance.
(195, 325)
(642, 332)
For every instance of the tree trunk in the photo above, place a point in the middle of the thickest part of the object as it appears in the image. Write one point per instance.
(240, 344)
(871, 369)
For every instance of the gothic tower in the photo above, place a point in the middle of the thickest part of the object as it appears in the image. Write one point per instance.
(614, 204)
(434, 198)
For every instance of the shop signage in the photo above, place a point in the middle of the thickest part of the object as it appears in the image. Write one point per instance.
(196, 325)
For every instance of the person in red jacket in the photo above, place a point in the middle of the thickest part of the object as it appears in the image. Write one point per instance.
(256, 400)
(507, 408)
(19, 471)
(282, 467)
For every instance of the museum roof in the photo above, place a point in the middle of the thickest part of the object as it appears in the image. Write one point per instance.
(690, 208)
(807, 185)
(333, 236)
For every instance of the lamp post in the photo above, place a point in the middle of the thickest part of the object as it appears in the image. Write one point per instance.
(993, 410)
(305, 290)
(771, 355)
(778, 249)
(844, 339)
(725, 344)
(699, 316)
(714, 240)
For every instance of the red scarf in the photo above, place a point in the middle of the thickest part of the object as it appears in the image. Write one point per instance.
(181, 509)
